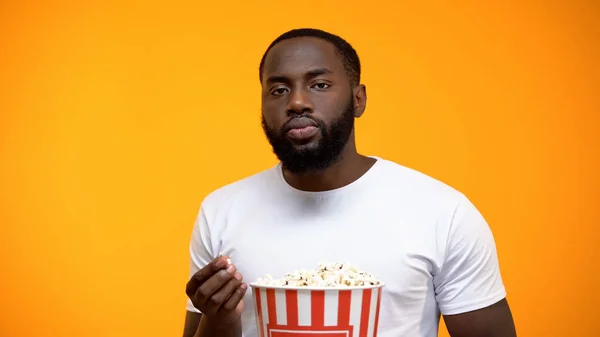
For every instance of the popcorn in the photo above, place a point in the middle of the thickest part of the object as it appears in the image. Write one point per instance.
(332, 275)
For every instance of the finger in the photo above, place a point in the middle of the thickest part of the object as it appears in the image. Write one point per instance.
(236, 297)
(213, 284)
(205, 273)
(219, 297)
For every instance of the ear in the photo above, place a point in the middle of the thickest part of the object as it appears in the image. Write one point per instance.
(360, 100)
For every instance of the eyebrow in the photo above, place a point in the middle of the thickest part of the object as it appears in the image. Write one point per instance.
(311, 73)
(318, 71)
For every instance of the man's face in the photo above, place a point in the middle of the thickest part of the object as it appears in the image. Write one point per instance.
(307, 104)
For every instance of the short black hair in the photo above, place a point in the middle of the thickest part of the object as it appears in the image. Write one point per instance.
(346, 51)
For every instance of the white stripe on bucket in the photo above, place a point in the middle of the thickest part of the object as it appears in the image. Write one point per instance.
(304, 308)
(373, 310)
(355, 310)
(280, 302)
(331, 308)
(265, 308)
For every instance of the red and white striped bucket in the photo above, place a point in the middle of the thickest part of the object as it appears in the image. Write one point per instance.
(310, 312)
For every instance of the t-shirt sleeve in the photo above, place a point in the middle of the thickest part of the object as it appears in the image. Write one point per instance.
(201, 253)
(469, 277)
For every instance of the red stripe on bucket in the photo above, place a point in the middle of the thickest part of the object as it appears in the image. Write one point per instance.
(380, 290)
(317, 299)
(344, 302)
(364, 315)
(291, 303)
(272, 307)
(259, 312)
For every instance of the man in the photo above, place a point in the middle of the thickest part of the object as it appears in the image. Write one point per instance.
(326, 202)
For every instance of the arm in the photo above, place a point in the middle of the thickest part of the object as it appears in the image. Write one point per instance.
(469, 288)
(200, 249)
(215, 290)
(196, 325)
(207, 329)
(192, 322)
(492, 321)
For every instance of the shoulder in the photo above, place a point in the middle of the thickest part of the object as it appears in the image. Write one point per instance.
(410, 184)
(239, 190)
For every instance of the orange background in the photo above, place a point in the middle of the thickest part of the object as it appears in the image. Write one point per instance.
(118, 118)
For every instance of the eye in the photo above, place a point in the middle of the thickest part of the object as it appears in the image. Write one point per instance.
(278, 91)
(321, 86)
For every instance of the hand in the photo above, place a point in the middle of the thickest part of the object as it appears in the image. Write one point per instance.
(217, 291)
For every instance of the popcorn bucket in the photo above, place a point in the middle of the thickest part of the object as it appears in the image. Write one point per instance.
(317, 312)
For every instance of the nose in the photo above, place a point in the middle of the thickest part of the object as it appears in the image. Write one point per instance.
(299, 103)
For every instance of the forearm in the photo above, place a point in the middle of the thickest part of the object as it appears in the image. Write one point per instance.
(210, 329)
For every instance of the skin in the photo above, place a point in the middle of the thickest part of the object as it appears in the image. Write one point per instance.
(306, 75)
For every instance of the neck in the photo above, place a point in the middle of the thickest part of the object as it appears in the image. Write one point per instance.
(348, 168)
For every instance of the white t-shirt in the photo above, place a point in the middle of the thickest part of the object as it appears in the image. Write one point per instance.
(425, 240)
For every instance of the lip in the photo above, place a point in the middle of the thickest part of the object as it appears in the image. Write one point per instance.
(299, 123)
(301, 128)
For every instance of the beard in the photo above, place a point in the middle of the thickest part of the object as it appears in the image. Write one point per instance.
(313, 157)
